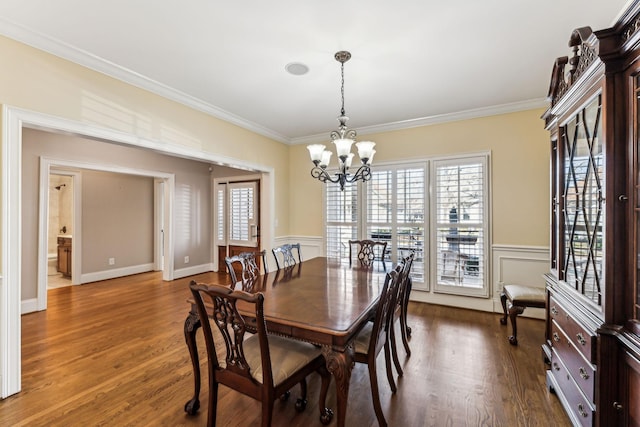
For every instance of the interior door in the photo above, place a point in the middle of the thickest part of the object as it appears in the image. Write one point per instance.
(238, 209)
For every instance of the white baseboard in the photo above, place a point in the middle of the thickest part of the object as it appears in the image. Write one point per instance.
(190, 271)
(116, 272)
(28, 305)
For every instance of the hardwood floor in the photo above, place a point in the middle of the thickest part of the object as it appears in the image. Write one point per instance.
(112, 353)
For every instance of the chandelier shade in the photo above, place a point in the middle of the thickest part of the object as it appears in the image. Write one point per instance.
(343, 139)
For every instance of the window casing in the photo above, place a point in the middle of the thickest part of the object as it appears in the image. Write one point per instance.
(460, 220)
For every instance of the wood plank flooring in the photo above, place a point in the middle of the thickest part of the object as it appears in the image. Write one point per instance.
(112, 353)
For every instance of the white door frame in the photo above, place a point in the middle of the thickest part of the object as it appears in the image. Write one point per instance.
(13, 120)
(46, 166)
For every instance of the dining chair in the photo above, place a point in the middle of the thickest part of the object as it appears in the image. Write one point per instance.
(284, 255)
(399, 312)
(368, 251)
(261, 366)
(249, 268)
(374, 337)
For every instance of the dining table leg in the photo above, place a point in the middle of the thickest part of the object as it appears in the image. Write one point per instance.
(191, 325)
(340, 364)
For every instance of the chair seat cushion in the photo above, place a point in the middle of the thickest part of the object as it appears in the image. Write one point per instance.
(363, 339)
(287, 356)
(526, 296)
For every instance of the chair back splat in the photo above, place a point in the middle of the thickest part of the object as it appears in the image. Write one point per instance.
(284, 255)
(248, 267)
(368, 251)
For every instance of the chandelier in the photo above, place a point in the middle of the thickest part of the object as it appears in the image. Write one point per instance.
(343, 138)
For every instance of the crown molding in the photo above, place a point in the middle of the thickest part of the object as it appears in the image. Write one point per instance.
(93, 62)
(436, 119)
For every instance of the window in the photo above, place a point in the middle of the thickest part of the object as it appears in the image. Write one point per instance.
(460, 221)
(393, 207)
(242, 214)
(395, 213)
(341, 219)
(390, 207)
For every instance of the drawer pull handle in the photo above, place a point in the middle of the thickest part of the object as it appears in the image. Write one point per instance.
(582, 411)
(583, 373)
(581, 339)
(617, 406)
(556, 337)
(556, 366)
(554, 311)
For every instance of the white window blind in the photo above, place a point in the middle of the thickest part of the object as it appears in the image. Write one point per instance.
(396, 213)
(242, 214)
(221, 235)
(341, 219)
(460, 221)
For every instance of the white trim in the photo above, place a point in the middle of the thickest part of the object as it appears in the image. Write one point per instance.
(190, 271)
(10, 322)
(47, 168)
(13, 120)
(51, 165)
(93, 62)
(475, 113)
(442, 288)
(29, 305)
(116, 272)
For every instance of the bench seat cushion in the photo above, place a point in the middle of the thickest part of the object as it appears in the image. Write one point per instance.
(525, 296)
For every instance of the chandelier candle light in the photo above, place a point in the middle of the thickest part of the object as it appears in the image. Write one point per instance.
(343, 139)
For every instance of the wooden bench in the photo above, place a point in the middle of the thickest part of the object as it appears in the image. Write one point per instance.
(519, 297)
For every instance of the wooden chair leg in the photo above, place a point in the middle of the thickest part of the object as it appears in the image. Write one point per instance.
(267, 412)
(301, 403)
(514, 310)
(387, 362)
(394, 348)
(375, 394)
(213, 404)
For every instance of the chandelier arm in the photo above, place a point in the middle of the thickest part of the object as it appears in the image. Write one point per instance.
(362, 174)
(323, 176)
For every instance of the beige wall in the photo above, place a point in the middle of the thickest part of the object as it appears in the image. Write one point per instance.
(37, 81)
(41, 82)
(520, 171)
(117, 220)
(116, 207)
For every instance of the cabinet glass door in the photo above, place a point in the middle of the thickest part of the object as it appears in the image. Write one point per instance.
(583, 213)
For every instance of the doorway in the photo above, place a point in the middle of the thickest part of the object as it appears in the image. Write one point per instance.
(237, 215)
(60, 234)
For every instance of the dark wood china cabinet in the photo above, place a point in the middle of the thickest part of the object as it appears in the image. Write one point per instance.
(592, 343)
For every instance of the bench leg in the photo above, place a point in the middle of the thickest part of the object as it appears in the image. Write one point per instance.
(514, 310)
(503, 300)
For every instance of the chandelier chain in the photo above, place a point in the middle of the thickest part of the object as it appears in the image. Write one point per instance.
(342, 88)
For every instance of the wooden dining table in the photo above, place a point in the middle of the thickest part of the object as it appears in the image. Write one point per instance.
(323, 301)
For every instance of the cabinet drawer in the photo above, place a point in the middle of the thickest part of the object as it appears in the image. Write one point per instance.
(583, 340)
(577, 366)
(579, 407)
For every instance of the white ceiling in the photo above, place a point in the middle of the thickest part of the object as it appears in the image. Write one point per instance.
(413, 61)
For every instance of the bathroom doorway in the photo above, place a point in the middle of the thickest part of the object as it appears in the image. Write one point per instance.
(60, 231)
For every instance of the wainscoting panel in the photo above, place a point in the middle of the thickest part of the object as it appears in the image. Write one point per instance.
(519, 265)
